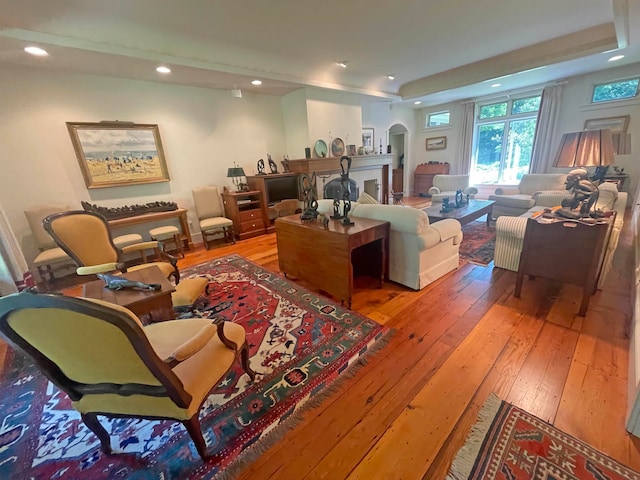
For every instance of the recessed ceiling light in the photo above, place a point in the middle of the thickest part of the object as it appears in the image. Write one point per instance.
(163, 69)
(417, 102)
(256, 82)
(617, 57)
(391, 77)
(343, 63)
(39, 52)
(495, 85)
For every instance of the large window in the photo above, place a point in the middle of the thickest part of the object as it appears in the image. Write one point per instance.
(503, 140)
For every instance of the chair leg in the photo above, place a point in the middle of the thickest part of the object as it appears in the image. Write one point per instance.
(244, 355)
(91, 421)
(193, 428)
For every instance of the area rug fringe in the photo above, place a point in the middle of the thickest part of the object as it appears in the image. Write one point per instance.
(463, 462)
(253, 452)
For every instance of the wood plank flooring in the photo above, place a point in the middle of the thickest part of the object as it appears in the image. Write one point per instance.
(407, 411)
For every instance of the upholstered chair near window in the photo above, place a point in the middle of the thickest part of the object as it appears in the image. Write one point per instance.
(109, 364)
(446, 186)
(86, 238)
(211, 215)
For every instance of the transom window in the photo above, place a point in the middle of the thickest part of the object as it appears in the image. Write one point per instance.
(438, 119)
(503, 139)
(607, 92)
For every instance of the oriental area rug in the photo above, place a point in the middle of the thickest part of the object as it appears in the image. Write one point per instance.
(300, 345)
(478, 242)
(508, 443)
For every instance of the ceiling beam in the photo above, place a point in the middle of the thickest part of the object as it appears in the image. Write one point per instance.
(567, 47)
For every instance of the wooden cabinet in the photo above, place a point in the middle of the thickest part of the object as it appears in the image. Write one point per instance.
(423, 177)
(245, 209)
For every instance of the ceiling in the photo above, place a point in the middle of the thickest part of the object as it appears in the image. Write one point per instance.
(438, 51)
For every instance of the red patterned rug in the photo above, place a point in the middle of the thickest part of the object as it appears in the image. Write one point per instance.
(508, 443)
(478, 242)
(300, 344)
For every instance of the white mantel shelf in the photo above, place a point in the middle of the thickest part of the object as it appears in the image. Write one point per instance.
(332, 164)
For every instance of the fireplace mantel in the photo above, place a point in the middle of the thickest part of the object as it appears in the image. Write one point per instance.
(358, 162)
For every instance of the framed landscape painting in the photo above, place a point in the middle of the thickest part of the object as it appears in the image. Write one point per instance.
(114, 154)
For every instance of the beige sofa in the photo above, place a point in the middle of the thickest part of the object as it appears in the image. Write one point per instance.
(515, 201)
(510, 230)
(419, 252)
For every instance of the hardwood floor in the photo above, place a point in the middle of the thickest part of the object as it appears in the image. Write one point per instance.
(408, 410)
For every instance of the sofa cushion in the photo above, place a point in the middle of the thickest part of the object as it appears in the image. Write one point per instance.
(608, 194)
(515, 201)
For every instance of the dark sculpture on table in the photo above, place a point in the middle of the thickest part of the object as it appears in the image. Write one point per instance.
(344, 192)
(308, 185)
(585, 195)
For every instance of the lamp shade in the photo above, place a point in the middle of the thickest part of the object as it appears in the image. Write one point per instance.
(235, 172)
(592, 148)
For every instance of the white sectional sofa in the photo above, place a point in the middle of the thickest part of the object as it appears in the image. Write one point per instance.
(419, 252)
(514, 201)
(510, 230)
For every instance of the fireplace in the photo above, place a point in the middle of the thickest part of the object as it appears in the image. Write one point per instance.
(333, 189)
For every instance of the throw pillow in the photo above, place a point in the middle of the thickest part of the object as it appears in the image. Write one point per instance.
(366, 198)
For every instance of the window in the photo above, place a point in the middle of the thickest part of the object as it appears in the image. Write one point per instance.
(503, 140)
(607, 92)
(438, 119)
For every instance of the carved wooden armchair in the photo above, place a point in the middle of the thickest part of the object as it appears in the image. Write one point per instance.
(86, 238)
(109, 364)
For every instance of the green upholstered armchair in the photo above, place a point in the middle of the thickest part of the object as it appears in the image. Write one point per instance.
(109, 364)
(86, 238)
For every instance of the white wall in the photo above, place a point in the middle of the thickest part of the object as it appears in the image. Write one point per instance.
(203, 132)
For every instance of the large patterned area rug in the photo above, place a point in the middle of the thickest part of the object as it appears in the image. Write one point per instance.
(478, 242)
(508, 443)
(300, 344)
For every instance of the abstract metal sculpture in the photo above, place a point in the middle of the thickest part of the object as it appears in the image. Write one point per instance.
(308, 185)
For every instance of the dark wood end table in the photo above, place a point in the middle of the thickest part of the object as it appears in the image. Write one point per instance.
(149, 306)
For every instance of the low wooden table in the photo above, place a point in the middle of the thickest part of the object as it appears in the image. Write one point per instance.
(149, 306)
(324, 257)
(473, 210)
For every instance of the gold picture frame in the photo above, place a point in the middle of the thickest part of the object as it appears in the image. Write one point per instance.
(436, 143)
(615, 124)
(114, 154)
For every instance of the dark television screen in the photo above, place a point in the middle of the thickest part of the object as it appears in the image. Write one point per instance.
(281, 188)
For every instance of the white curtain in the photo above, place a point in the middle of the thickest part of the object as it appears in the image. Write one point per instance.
(542, 157)
(14, 271)
(466, 137)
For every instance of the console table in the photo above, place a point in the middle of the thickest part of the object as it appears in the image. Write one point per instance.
(568, 251)
(324, 257)
(180, 214)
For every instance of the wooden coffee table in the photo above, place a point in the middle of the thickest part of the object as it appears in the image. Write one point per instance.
(324, 257)
(149, 306)
(470, 212)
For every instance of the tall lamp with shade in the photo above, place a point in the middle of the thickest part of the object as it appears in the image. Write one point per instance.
(591, 148)
(236, 173)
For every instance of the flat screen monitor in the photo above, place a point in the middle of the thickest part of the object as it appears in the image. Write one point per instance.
(281, 188)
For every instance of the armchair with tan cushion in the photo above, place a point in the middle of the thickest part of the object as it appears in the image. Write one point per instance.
(109, 364)
(515, 201)
(446, 186)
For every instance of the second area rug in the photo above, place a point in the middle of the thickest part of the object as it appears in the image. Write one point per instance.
(300, 344)
(508, 443)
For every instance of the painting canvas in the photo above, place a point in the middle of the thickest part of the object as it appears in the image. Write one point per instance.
(118, 153)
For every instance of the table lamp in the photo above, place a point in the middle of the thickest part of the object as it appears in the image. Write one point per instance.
(236, 173)
(591, 148)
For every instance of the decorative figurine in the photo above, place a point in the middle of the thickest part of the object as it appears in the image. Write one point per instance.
(261, 167)
(308, 185)
(272, 164)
